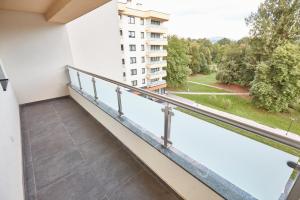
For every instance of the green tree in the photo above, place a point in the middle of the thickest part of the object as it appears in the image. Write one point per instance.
(237, 64)
(195, 59)
(277, 81)
(177, 62)
(275, 23)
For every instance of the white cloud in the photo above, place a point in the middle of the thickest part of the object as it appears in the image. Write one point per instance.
(206, 18)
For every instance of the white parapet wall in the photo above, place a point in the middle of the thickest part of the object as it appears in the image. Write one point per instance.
(11, 175)
(177, 178)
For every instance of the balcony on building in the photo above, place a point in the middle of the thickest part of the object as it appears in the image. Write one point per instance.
(156, 74)
(154, 53)
(156, 41)
(71, 129)
(154, 64)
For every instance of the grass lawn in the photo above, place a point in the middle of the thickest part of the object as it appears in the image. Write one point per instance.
(244, 108)
(207, 79)
(192, 87)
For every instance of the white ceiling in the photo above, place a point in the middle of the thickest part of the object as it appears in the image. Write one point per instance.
(36, 6)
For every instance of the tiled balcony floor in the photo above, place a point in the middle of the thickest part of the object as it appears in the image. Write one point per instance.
(70, 156)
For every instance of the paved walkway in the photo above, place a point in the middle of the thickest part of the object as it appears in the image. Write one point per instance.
(211, 93)
(277, 131)
(206, 85)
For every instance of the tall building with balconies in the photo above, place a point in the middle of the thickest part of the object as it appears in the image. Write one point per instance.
(143, 46)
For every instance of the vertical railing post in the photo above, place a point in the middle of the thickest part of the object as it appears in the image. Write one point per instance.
(168, 113)
(294, 193)
(68, 76)
(79, 81)
(118, 90)
(95, 89)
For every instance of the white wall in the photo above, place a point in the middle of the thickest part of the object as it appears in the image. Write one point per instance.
(11, 178)
(34, 53)
(95, 42)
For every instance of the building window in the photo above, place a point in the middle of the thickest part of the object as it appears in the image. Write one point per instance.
(133, 72)
(142, 47)
(134, 83)
(121, 32)
(124, 74)
(142, 21)
(155, 22)
(142, 35)
(143, 70)
(153, 70)
(123, 61)
(155, 59)
(155, 35)
(131, 34)
(132, 47)
(155, 47)
(131, 20)
(143, 81)
(132, 60)
(122, 47)
(143, 59)
(154, 80)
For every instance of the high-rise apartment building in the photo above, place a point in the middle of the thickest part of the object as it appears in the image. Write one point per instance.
(143, 45)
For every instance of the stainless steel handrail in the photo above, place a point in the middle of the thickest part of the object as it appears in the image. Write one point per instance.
(209, 113)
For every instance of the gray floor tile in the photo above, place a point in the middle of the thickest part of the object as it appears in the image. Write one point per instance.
(80, 185)
(49, 169)
(26, 146)
(43, 120)
(113, 169)
(86, 132)
(51, 142)
(99, 147)
(30, 181)
(143, 186)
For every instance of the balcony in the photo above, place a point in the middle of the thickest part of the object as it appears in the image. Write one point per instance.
(155, 64)
(158, 74)
(157, 41)
(73, 133)
(156, 83)
(154, 53)
(156, 29)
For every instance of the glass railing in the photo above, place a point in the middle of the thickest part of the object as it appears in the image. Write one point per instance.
(163, 62)
(238, 160)
(155, 83)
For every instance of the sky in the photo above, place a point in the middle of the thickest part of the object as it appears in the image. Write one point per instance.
(206, 18)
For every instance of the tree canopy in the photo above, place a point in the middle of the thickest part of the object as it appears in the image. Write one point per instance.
(277, 81)
(177, 62)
